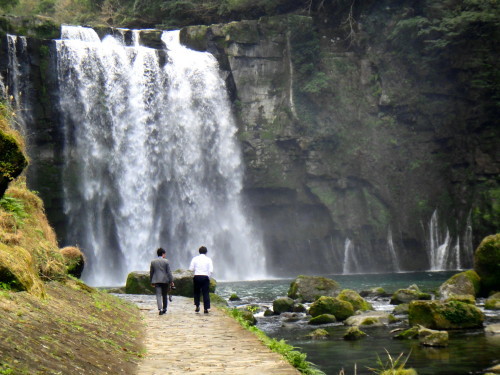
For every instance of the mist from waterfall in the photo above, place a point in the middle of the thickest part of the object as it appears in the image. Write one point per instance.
(151, 158)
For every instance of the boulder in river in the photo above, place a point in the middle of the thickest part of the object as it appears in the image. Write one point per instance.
(310, 288)
(323, 319)
(487, 263)
(430, 337)
(371, 318)
(409, 294)
(357, 302)
(463, 283)
(330, 305)
(493, 302)
(283, 304)
(354, 333)
(445, 315)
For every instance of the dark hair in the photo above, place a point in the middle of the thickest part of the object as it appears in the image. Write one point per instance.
(160, 252)
(203, 250)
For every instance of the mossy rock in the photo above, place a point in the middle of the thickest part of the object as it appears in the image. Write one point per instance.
(183, 280)
(405, 371)
(74, 260)
(373, 292)
(318, 334)
(283, 304)
(299, 308)
(323, 319)
(429, 337)
(139, 283)
(409, 334)
(310, 288)
(354, 333)
(445, 315)
(487, 263)
(401, 309)
(234, 297)
(248, 317)
(462, 298)
(357, 302)
(268, 312)
(370, 318)
(330, 305)
(493, 302)
(463, 283)
(12, 159)
(194, 37)
(409, 294)
(217, 300)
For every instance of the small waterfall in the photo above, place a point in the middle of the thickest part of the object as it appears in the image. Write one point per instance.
(151, 158)
(392, 252)
(350, 261)
(18, 81)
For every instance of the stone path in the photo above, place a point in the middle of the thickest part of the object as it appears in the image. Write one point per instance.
(185, 342)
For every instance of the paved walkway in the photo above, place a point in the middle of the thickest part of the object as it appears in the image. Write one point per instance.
(185, 342)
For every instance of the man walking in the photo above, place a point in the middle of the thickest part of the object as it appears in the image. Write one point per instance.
(202, 267)
(161, 278)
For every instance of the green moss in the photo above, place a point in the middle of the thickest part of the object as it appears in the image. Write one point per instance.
(445, 315)
(408, 334)
(330, 305)
(354, 333)
(487, 263)
(353, 297)
(323, 319)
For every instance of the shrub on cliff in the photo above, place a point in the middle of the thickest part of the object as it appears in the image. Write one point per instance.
(74, 260)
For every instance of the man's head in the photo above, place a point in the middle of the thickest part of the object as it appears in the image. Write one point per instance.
(160, 252)
(203, 250)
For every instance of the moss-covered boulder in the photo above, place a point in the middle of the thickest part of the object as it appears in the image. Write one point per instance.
(183, 280)
(493, 302)
(234, 297)
(283, 304)
(310, 288)
(248, 317)
(409, 294)
(318, 334)
(12, 158)
(138, 283)
(401, 309)
(408, 334)
(487, 263)
(373, 292)
(467, 298)
(372, 318)
(323, 319)
(330, 305)
(299, 308)
(430, 337)
(445, 315)
(357, 302)
(353, 333)
(74, 260)
(461, 284)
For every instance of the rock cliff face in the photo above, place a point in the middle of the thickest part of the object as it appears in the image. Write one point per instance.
(369, 133)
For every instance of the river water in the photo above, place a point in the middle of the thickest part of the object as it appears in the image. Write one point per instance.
(469, 351)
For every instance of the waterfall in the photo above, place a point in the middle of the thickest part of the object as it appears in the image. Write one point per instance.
(19, 81)
(350, 261)
(392, 252)
(151, 158)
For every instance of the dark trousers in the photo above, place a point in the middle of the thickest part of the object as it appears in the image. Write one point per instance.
(201, 285)
(161, 295)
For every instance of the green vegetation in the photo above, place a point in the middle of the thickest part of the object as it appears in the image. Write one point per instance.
(295, 357)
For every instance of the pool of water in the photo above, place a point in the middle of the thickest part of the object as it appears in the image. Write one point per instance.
(469, 351)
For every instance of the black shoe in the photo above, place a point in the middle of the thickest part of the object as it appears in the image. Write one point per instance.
(197, 309)
(205, 311)
(162, 312)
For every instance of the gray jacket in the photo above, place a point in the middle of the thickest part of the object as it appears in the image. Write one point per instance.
(159, 272)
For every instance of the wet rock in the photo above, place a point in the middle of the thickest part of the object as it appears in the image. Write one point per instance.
(411, 293)
(357, 302)
(234, 297)
(409, 334)
(299, 308)
(310, 288)
(493, 302)
(330, 305)
(445, 315)
(463, 283)
(487, 263)
(492, 329)
(401, 309)
(323, 319)
(372, 318)
(291, 316)
(249, 317)
(429, 337)
(282, 304)
(373, 292)
(354, 333)
(318, 334)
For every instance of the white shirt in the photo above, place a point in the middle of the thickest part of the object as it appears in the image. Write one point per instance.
(201, 265)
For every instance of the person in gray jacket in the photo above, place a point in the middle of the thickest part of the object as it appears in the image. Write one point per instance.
(161, 278)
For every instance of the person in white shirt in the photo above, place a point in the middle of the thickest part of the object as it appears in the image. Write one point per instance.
(202, 267)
